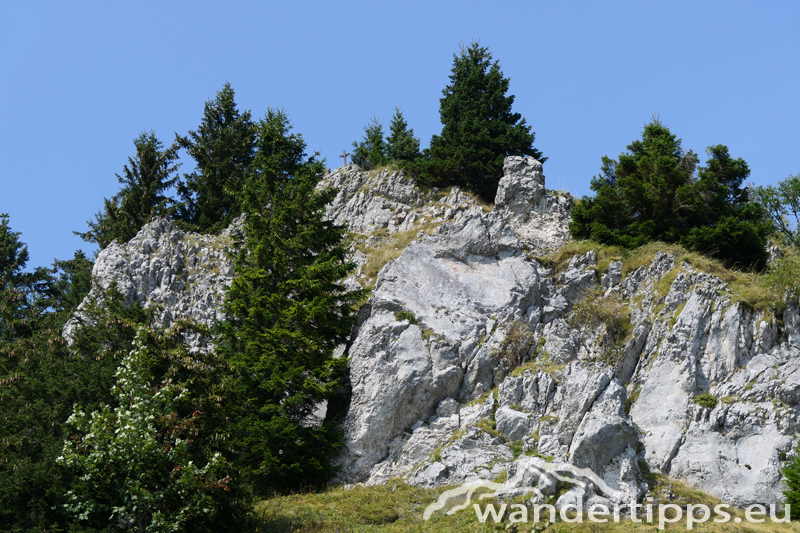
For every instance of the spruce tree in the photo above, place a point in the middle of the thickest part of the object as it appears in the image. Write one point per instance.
(651, 193)
(72, 282)
(21, 292)
(371, 151)
(222, 147)
(401, 145)
(145, 181)
(479, 130)
(791, 475)
(286, 312)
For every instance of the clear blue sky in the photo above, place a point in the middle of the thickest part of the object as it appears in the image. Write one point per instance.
(80, 80)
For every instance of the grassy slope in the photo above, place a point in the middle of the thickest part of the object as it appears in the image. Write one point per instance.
(399, 507)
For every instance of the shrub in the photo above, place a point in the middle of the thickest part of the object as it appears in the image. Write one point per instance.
(780, 202)
(138, 464)
(706, 399)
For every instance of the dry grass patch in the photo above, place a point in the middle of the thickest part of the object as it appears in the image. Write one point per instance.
(595, 309)
(390, 247)
(544, 364)
(760, 291)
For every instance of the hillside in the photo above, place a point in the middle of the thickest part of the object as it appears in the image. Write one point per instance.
(493, 348)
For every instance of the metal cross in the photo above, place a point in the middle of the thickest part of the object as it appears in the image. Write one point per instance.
(344, 155)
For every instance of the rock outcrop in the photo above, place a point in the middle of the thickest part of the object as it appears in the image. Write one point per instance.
(369, 201)
(182, 275)
(469, 359)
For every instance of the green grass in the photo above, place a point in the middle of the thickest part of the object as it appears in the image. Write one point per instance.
(405, 315)
(397, 507)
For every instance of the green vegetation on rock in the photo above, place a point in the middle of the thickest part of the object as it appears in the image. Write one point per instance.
(651, 193)
(479, 129)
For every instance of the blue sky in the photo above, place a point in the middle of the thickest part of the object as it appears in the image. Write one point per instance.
(80, 80)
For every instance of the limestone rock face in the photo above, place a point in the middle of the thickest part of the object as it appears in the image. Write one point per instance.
(476, 355)
(579, 403)
(433, 333)
(369, 201)
(182, 274)
(539, 217)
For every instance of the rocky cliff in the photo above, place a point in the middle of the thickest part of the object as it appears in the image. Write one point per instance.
(483, 349)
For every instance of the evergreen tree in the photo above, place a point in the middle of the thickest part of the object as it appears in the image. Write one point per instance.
(145, 180)
(13, 255)
(20, 292)
(401, 145)
(479, 130)
(222, 147)
(637, 195)
(286, 312)
(724, 222)
(651, 194)
(41, 378)
(791, 475)
(72, 280)
(371, 151)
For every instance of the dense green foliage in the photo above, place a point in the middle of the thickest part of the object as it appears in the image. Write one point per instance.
(286, 311)
(479, 130)
(651, 193)
(21, 293)
(401, 145)
(782, 204)
(145, 180)
(146, 463)
(72, 280)
(222, 147)
(791, 478)
(42, 377)
(371, 151)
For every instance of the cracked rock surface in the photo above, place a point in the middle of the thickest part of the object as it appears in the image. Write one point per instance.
(435, 395)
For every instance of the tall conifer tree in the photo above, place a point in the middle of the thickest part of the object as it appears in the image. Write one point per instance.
(286, 312)
(20, 291)
(145, 181)
(401, 145)
(478, 127)
(222, 147)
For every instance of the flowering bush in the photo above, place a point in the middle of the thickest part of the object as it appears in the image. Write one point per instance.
(138, 463)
